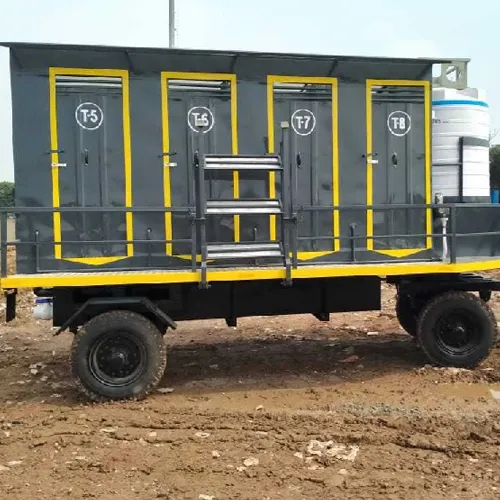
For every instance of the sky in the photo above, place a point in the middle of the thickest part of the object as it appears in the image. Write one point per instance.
(428, 28)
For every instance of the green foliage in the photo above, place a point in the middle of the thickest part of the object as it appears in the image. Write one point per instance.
(495, 166)
(7, 198)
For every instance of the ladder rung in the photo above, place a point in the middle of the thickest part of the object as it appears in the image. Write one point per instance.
(240, 162)
(243, 250)
(248, 245)
(249, 254)
(264, 206)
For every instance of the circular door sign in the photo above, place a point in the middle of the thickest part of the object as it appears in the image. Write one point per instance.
(89, 115)
(303, 122)
(201, 119)
(399, 123)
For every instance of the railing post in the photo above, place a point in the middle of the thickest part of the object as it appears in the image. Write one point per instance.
(37, 251)
(453, 230)
(3, 248)
(352, 238)
(149, 246)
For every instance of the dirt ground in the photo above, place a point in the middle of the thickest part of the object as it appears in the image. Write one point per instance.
(279, 408)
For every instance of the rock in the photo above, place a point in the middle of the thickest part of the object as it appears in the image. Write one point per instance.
(34, 371)
(214, 367)
(330, 449)
(343, 472)
(262, 433)
(350, 359)
(315, 467)
(299, 455)
(165, 390)
(108, 430)
(143, 442)
(370, 334)
(335, 481)
(473, 460)
(202, 435)
(260, 407)
(3, 468)
(250, 461)
(6, 434)
(241, 469)
(215, 454)
(13, 463)
(206, 497)
(152, 434)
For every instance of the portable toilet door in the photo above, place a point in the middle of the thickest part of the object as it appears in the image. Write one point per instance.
(309, 104)
(398, 166)
(91, 163)
(197, 106)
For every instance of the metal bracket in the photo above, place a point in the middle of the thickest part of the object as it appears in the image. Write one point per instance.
(59, 165)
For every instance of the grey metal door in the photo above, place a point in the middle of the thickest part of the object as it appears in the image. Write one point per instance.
(198, 109)
(91, 172)
(308, 109)
(397, 168)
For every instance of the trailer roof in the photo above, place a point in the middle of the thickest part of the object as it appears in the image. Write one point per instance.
(151, 59)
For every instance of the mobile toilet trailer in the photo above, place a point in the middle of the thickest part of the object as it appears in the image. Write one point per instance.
(156, 185)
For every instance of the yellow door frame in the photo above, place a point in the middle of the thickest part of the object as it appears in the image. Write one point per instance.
(56, 199)
(399, 252)
(271, 80)
(167, 190)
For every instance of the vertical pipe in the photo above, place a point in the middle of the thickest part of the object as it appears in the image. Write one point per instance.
(171, 23)
(461, 170)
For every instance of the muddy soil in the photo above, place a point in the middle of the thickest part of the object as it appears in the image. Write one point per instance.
(278, 408)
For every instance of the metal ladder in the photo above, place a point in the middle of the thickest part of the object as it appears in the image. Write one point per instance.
(223, 166)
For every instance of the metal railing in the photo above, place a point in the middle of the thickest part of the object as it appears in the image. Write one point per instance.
(449, 211)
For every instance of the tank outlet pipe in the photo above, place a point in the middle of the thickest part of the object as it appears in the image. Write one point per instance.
(443, 218)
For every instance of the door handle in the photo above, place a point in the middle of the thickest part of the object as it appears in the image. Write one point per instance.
(168, 163)
(394, 159)
(86, 157)
(370, 158)
(299, 160)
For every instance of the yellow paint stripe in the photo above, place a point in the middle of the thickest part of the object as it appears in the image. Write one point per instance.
(95, 261)
(428, 160)
(55, 160)
(123, 74)
(335, 165)
(234, 150)
(252, 274)
(403, 252)
(167, 190)
(369, 166)
(128, 161)
(270, 148)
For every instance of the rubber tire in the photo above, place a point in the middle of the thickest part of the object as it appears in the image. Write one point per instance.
(438, 306)
(407, 317)
(143, 330)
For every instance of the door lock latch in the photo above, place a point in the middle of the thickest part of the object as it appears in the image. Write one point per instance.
(56, 165)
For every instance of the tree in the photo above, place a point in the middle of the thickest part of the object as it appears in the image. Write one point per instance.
(7, 197)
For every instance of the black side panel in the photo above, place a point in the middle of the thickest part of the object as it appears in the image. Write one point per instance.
(244, 298)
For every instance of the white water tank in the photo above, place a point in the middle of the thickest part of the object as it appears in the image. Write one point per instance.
(460, 114)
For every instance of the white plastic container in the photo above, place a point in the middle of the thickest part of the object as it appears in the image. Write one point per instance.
(455, 114)
(43, 308)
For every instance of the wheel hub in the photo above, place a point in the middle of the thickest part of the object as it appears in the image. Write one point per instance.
(117, 359)
(457, 333)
